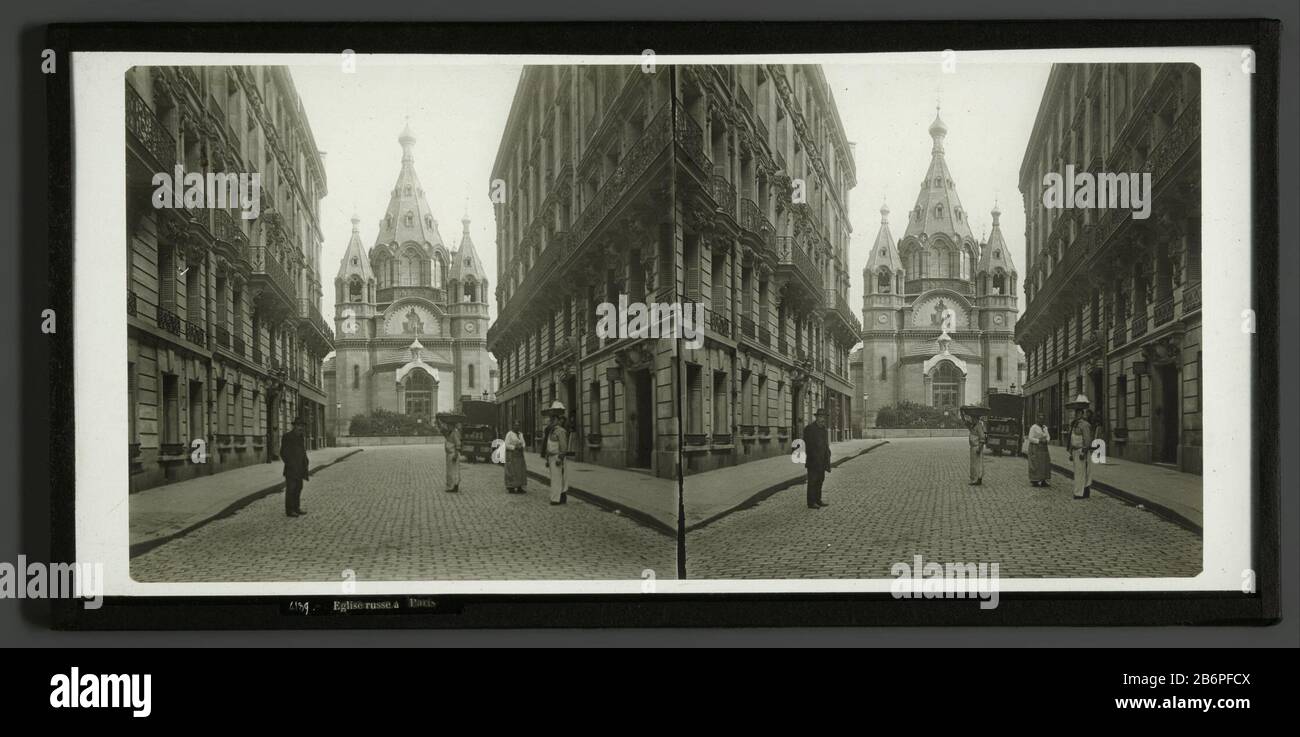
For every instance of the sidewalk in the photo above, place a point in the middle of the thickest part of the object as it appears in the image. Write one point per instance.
(1172, 494)
(715, 494)
(165, 512)
(637, 494)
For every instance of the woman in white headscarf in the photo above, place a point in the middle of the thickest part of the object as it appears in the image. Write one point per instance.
(516, 470)
(1040, 464)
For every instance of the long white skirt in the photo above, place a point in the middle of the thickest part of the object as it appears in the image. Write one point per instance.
(559, 485)
(1082, 474)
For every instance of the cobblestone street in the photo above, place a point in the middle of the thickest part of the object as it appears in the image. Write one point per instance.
(383, 514)
(910, 497)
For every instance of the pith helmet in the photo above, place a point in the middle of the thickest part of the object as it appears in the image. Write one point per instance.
(1079, 402)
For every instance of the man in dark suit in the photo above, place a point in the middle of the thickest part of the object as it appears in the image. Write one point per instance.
(817, 451)
(293, 451)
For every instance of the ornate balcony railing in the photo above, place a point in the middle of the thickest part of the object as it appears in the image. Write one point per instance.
(309, 311)
(257, 354)
(783, 345)
(1176, 141)
(751, 218)
(168, 320)
(691, 137)
(239, 346)
(722, 438)
(223, 336)
(724, 194)
(765, 337)
(634, 164)
(196, 334)
(789, 253)
(1139, 325)
(843, 311)
(1191, 297)
(131, 300)
(263, 261)
(145, 127)
(1119, 336)
(1164, 311)
(718, 324)
(747, 327)
(695, 440)
(225, 228)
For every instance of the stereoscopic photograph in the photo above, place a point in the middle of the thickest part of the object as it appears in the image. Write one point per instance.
(871, 323)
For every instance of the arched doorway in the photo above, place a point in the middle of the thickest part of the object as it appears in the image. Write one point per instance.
(946, 385)
(421, 393)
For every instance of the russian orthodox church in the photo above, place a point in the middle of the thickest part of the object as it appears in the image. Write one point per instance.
(411, 315)
(939, 306)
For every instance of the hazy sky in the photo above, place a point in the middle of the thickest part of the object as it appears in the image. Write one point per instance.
(887, 110)
(458, 114)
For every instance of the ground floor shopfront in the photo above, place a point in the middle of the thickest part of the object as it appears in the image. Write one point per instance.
(619, 403)
(1148, 393)
(196, 411)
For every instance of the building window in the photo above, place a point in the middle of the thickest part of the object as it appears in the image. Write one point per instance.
(884, 368)
(594, 401)
(356, 376)
(999, 368)
(1137, 396)
(238, 398)
(692, 263)
(694, 399)
(470, 376)
(133, 400)
(721, 416)
(170, 417)
(1121, 401)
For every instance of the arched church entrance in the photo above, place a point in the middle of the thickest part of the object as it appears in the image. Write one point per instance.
(421, 393)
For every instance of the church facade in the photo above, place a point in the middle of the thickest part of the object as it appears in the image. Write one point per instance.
(411, 314)
(939, 306)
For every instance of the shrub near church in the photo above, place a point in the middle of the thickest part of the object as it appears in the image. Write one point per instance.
(912, 416)
(383, 423)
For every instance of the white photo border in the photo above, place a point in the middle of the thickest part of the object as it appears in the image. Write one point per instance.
(102, 488)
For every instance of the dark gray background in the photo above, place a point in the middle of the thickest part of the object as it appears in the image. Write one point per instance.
(24, 527)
